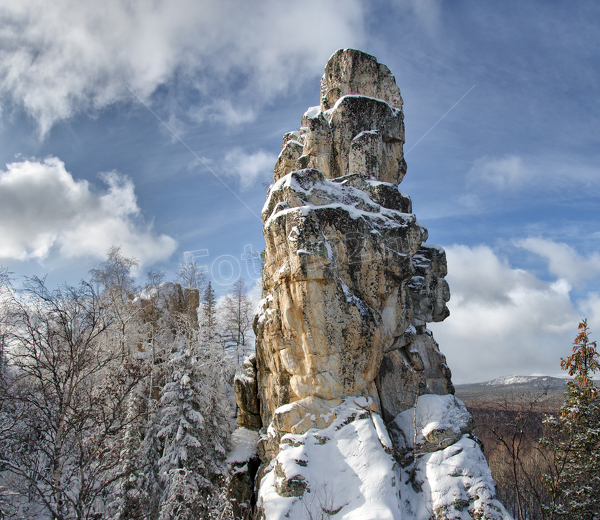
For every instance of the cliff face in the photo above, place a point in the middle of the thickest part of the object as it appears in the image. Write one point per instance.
(349, 390)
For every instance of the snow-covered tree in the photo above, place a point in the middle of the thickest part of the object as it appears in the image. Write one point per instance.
(179, 459)
(118, 288)
(191, 276)
(208, 307)
(67, 392)
(5, 297)
(236, 313)
(574, 436)
(195, 424)
(138, 495)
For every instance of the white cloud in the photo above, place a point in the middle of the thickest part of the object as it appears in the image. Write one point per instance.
(563, 261)
(590, 309)
(531, 174)
(42, 207)
(428, 12)
(61, 57)
(471, 201)
(223, 110)
(503, 320)
(249, 167)
(499, 173)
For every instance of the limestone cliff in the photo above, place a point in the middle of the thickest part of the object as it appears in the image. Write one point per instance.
(350, 392)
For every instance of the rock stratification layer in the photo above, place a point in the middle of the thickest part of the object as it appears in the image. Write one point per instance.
(343, 355)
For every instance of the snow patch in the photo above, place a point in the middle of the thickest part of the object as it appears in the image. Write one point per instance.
(382, 432)
(243, 445)
(352, 298)
(394, 110)
(456, 483)
(312, 112)
(336, 196)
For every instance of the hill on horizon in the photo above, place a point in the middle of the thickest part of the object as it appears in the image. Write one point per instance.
(513, 391)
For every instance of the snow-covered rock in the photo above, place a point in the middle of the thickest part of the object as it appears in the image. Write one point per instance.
(345, 470)
(355, 396)
(437, 421)
(350, 469)
(349, 71)
(243, 463)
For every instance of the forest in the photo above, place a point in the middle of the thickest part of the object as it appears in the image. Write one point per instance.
(116, 400)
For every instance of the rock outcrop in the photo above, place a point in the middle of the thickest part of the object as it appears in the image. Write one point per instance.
(343, 355)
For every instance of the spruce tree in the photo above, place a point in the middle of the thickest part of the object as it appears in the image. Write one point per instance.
(193, 414)
(574, 437)
(181, 423)
(209, 314)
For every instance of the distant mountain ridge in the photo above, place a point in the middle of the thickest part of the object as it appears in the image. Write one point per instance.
(545, 389)
(520, 381)
(536, 381)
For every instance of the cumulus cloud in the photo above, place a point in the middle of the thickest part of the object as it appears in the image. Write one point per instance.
(42, 207)
(59, 58)
(503, 320)
(590, 308)
(563, 261)
(249, 167)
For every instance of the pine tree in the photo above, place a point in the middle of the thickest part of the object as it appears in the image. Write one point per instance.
(136, 496)
(209, 313)
(574, 436)
(194, 420)
(181, 423)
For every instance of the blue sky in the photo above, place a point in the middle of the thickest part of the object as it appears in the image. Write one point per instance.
(508, 181)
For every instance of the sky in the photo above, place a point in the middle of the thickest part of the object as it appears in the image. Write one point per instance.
(155, 125)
